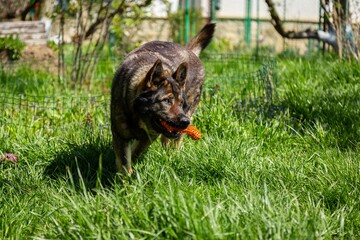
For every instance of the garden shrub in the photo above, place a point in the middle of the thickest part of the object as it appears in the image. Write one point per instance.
(12, 47)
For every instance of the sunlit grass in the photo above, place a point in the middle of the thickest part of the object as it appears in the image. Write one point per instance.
(282, 170)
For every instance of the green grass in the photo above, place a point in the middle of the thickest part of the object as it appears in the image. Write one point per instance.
(287, 170)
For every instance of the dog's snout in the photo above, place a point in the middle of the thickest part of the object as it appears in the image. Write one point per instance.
(184, 121)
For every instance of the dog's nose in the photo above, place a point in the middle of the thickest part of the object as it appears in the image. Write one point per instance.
(184, 121)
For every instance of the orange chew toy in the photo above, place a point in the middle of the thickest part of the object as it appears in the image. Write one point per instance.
(192, 131)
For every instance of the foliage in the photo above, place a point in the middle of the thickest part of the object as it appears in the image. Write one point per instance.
(176, 20)
(290, 175)
(93, 21)
(225, 45)
(12, 46)
(177, 24)
(53, 45)
(124, 27)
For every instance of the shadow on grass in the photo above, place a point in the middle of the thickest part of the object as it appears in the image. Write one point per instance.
(338, 114)
(87, 164)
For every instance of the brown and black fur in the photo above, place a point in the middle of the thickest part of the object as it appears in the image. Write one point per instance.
(157, 81)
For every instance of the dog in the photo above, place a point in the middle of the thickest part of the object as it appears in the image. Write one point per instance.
(158, 81)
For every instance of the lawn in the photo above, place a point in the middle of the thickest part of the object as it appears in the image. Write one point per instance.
(286, 169)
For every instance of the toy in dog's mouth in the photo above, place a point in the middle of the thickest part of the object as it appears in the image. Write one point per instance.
(191, 130)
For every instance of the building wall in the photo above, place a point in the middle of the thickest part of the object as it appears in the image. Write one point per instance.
(230, 21)
(297, 15)
(229, 30)
(291, 9)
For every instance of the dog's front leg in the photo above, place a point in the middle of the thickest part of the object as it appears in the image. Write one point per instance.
(122, 149)
(139, 147)
(176, 143)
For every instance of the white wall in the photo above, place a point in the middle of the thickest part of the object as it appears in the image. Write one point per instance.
(295, 9)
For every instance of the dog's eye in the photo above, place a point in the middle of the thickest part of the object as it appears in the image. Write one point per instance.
(168, 101)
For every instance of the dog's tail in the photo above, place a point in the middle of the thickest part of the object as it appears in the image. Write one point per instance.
(202, 39)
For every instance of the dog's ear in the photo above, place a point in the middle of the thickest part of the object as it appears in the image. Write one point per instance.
(153, 77)
(180, 74)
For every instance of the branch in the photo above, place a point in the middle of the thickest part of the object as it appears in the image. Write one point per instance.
(99, 19)
(324, 4)
(278, 25)
(119, 10)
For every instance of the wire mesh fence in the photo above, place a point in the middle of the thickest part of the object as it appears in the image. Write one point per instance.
(248, 79)
(53, 113)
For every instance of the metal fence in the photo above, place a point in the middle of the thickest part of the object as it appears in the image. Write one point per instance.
(244, 77)
(54, 113)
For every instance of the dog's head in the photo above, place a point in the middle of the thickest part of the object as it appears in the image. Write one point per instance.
(163, 99)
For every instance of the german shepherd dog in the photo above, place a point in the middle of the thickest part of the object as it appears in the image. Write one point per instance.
(158, 81)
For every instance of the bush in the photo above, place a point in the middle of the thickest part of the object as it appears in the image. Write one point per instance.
(12, 46)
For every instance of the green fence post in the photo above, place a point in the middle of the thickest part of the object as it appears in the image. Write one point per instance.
(310, 45)
(180, 26)
(248, 23)
(257, 27)
(187, 21)
(319, 24)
